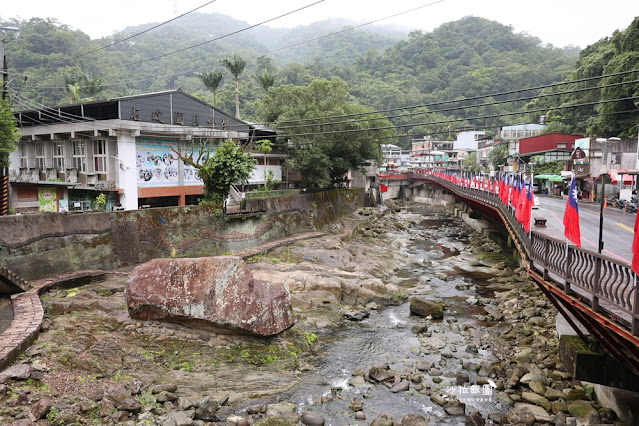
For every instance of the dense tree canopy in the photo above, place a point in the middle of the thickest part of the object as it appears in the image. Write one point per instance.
(325, 150)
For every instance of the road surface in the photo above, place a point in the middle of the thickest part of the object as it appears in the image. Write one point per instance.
(617, 230)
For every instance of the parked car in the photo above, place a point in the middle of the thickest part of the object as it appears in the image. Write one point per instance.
(535, 202)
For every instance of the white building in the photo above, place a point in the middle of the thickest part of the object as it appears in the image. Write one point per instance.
(123, 147)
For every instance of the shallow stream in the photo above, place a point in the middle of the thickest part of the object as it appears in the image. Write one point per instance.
(440, 263)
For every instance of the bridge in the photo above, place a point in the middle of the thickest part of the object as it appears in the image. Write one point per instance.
(596, 290)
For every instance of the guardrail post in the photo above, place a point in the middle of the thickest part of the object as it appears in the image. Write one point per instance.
(545, 258)
(596, 285)
(568, 266)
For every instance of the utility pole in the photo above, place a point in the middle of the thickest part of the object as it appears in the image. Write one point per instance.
(5, 62)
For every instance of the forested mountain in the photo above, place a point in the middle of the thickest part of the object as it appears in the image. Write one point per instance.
(461, 59)
(609, 56)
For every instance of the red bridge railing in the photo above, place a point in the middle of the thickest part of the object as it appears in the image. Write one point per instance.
(606, 285)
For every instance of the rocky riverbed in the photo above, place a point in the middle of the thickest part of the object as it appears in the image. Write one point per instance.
(479, 347)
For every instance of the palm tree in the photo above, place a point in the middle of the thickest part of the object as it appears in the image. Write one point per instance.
(212, 81)
(235, 65)
(92, 86)
(265, 79)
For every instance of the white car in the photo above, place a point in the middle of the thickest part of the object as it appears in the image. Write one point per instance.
(535, 202)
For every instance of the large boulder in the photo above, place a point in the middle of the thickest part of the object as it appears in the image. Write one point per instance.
(424, 307)
(213, 292)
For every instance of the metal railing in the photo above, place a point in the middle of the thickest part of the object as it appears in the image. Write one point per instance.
(605, 284)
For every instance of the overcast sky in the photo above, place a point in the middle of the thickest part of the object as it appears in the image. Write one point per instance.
(558, 22)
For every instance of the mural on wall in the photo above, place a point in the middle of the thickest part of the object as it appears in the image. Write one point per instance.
(191, 174)
(48, 198)
(157, 164)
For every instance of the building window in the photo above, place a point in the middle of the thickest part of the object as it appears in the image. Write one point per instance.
(99, 155)
(561, 144)
(23, 155)
(79, 160)
(58, 155)
(39, 155)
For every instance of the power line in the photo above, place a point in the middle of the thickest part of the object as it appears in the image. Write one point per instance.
(120, 83)
(456, 108)
(129, 37)
(460, 119)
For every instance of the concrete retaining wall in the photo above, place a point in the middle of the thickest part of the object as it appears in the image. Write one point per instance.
(46, 244)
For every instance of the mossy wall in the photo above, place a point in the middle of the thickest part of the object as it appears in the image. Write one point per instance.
(46, 244)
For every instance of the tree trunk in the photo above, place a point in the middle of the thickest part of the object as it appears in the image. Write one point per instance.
(237, 98)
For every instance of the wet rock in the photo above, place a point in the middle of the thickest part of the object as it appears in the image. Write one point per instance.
(219, 291)
(462, 377)
(455, 408)
(359, 315)
(276, 421)
(471, 349)
(439, 400)
(402, 386)
(312, 419)
(282, 409)
(383, 420)
(414, 420)
(381, 374)
(433, 342)
(424, 307)
(423, 365)
(474, 418)
(535, 399)
(420, 328)
(357, 381)
(584, 412)
(360, 415)
(357, 404)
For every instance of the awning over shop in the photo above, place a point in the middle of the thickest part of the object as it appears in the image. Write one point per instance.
(626, 173)
(552, 178)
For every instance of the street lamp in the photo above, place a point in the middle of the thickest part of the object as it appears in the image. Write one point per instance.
(603, 172)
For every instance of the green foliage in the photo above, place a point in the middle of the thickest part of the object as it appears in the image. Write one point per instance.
(9, 134)
(101, 201)
(212, 80)
(229, 164)
(543, 167)
(52, 414)
(322, 156)
(498, 155)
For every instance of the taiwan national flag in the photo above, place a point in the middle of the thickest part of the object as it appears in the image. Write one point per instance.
(635, 248)
(571, 216)
(526, 212)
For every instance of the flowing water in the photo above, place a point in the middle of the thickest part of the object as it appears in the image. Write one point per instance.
(386, 337)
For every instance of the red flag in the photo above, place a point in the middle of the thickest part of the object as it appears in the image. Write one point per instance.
(635, 248)
(528, 203)
(571, 216)
(383, 188)
(521, 199)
